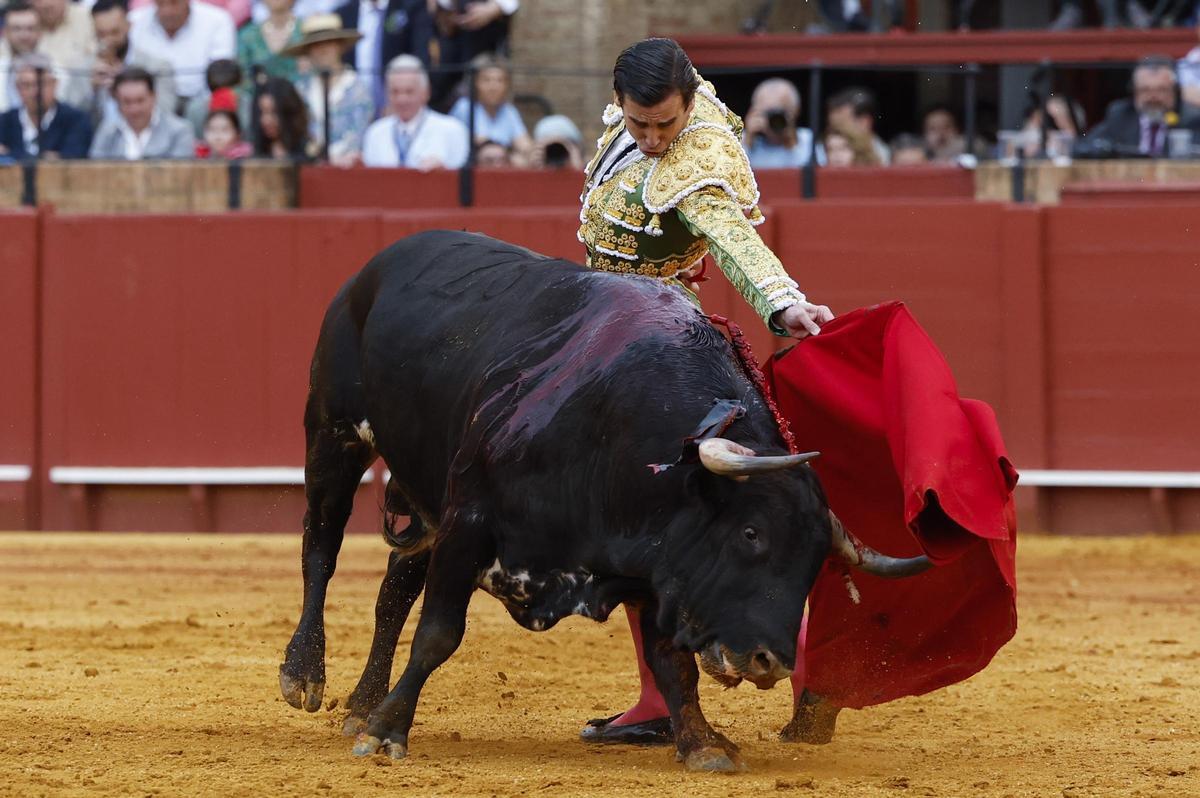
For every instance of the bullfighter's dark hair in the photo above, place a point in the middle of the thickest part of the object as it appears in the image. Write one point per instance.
(17, 5)
(101, 6)
(651, 70)
(133, 74)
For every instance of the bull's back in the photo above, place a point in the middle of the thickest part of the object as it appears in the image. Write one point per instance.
(457, 327)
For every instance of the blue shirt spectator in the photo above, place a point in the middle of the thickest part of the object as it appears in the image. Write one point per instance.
(504, 127)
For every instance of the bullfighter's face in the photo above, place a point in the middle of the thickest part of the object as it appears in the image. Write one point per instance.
(655, 127)
(740, 581)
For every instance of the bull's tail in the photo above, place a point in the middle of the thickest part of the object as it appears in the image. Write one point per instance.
(413, 538)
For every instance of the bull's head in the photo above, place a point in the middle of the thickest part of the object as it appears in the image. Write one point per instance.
(737, 586)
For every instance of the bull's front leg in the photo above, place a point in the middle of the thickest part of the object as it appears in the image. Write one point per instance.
(697, 745)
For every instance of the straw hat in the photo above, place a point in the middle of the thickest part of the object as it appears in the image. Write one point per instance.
(321, 28)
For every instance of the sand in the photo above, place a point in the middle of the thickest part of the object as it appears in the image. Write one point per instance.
(147, 665)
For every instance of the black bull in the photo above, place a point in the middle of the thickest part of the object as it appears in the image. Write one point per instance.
(518, 402)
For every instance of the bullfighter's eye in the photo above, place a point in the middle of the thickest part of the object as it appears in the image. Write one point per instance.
(750, 533)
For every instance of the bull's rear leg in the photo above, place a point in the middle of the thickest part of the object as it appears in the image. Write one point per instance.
(334, 465)
(697, 745)
(403, 583)
(458, 557)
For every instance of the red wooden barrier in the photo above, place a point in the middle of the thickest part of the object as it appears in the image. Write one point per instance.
(1123, 289)
(188, 345)
(323, 187)
(18, 365)
(925, 182)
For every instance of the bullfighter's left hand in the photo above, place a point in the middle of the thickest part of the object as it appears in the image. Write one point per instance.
(803, 319)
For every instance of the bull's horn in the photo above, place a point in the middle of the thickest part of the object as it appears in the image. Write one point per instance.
(729, 459)
(861, 556)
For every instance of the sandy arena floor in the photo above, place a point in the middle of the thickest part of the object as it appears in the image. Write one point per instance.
(146, 665)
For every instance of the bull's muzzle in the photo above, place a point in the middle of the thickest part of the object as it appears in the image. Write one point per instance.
(761, 667)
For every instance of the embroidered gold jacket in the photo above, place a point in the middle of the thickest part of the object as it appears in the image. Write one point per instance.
(658, 217)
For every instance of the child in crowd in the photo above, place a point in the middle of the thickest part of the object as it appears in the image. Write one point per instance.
(222, 130)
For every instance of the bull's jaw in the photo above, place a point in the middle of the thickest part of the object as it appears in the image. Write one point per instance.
(730, 669)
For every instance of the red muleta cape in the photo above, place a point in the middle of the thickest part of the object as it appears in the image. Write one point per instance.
(909, 467)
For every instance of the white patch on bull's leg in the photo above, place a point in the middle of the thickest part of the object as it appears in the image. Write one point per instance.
(365, 433)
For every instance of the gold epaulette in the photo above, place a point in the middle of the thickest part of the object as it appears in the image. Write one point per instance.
(705, 154)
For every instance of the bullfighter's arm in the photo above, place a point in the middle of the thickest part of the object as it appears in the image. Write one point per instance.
(748, 263)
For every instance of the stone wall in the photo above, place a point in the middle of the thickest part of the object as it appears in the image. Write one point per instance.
(582, 38)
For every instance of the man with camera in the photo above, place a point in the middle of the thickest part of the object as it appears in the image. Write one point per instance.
(772, 138)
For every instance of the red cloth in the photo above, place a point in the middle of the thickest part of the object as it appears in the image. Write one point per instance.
(909, 467)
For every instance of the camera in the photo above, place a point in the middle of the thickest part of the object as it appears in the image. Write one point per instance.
(778, 120)
(556, 155)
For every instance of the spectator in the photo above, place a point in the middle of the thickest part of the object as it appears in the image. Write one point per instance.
(1189, 77)
(266, 43)
(842, 16)
(223, 130)
(852, 111)
(70, 41)
(303, 9)
(113, 54)
(407, 29)
(1071, 14)
(496, 118)
(557, 144)
(492, 155)
(850, 146)
(324, 43)
(239, 10)
(468, 29)
(141, 131)
(189, 34)
(1061, 113)
(772, 136)
(1140, 125)
(908, 150)
(414, 135)
(224, 73)
(282, 122)
(944, 142)
(65, 131)
(21, 34)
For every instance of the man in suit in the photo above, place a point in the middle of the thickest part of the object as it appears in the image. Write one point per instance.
(1139, 125)
(389, 28)
(141, 131)
(60, 132)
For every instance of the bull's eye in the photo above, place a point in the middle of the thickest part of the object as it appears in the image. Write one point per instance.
(750, 533)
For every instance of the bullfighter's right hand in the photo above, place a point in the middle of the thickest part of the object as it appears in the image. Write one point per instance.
(803, 319)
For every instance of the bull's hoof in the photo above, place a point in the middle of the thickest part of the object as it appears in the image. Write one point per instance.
(366, 745)
(712, 760)
(354, 725)
(301, 692)
(813, 723)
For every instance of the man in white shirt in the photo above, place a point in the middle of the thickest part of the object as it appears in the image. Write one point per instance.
(187, 33)
(111, 22)
(68, 38)
(141, 131)
(414, 136)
